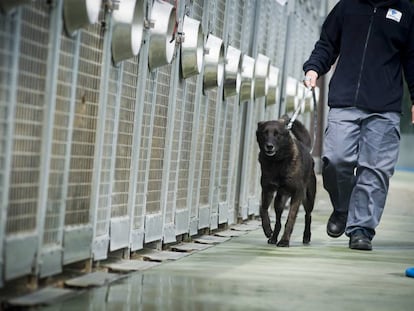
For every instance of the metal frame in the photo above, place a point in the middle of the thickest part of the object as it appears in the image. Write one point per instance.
(49, 257)
(11, 100)
(136, 238)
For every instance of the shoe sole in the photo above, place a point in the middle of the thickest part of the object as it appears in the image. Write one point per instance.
(334, 235)
(361, 247)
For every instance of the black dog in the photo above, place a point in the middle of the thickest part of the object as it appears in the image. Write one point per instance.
(287, 170)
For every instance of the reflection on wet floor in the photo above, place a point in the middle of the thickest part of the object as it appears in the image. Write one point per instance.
(154, 291)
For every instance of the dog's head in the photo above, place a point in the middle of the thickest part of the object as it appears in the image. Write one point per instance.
(273, 137)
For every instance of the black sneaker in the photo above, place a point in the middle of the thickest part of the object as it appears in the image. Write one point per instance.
(336, 224)
(358, 240)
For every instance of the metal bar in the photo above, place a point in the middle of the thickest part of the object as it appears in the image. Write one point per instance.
(10, 118)
(246, 135)
(137, 238)
(55, 28)
(285, 74)
(214, 188)
(192, 201)
(169, 142)
(72, 104)
(100, 131)
(202, 142)
(154, 76)
(220, 158)
(181, 12)
(114, 149)
(234, 167)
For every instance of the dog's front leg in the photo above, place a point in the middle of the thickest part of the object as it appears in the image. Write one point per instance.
(290, 222)
(280, 202)
(308, 204)
(267, 197)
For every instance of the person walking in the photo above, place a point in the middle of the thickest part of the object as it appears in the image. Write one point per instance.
(371, 43)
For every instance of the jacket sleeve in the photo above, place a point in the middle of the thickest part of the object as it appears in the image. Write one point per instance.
(408, 62)
(326, 48)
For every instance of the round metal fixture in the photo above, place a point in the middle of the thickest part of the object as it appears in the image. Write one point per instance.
(127, 29)
(162, 39)
(232, 75)
(192, 48)
(213, 63)
(273, 89)
(246, 87)
(261, 73)
(80, 13)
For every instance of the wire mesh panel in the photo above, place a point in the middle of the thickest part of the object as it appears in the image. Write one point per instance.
(125, 137)
(84, 129)
(107, 192)
(234, 160)
(231, 158)
(279, 36)
(144, 150)
(247, 28)
(158, 141)
(185, 149)
(216, 20)
(221, 133)
(8, 39)
(9, 44)
(235, 22)
(264, 46)
(263, 42)
(227, 142)
(297, 45)
(216, 26)
(197, 9)
(192, 140)
(24, 183)
(174, 161)
(254, 171)
(61, 136)
(200, 123)
(207, 155)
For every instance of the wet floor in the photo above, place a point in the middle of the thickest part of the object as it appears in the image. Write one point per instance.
(245, 273)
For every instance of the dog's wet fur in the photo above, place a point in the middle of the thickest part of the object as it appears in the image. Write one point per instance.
(287, 171)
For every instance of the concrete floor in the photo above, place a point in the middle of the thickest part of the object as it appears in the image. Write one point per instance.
(245, 273)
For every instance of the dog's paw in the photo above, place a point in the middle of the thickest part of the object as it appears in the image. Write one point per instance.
(306, 241)
(271, 241)
(268, 233)
(283, 243)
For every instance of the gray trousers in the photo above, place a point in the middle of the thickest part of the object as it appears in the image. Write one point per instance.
(360, 152)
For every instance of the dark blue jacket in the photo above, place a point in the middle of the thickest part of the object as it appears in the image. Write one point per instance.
(374, 43)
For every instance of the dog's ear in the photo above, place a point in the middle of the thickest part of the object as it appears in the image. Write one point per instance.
(260, 127)
(285, 118)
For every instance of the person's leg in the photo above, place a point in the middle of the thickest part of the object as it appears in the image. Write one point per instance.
(339, 161)
(378, 154)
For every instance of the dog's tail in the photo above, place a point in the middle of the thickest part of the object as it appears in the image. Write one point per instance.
(300, 132)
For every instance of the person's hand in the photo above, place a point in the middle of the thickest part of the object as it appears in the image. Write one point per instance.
(310, 79)
(412, 113)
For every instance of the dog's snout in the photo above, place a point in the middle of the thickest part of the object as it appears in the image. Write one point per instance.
(269, 147)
